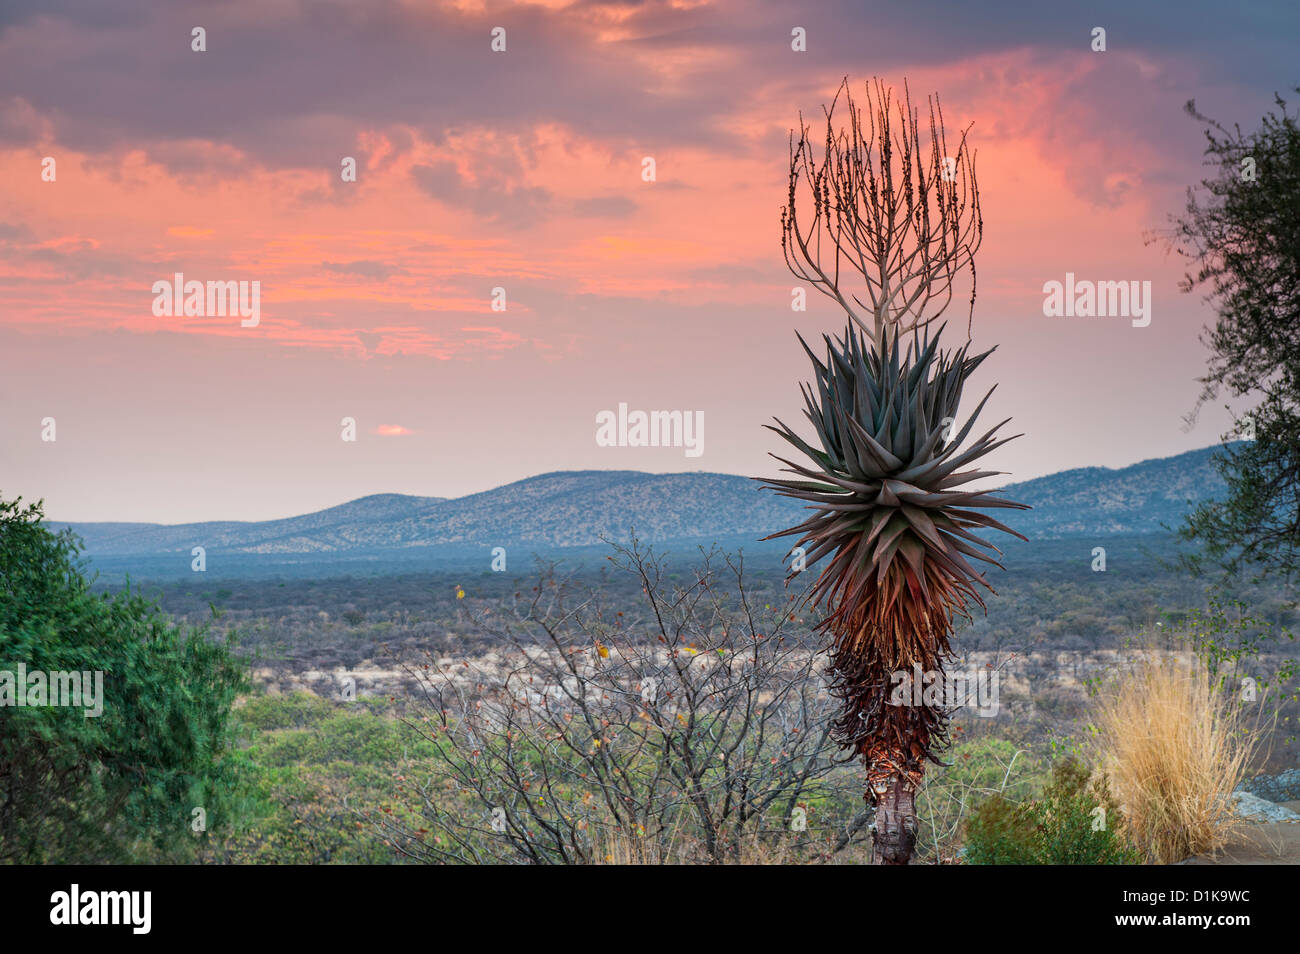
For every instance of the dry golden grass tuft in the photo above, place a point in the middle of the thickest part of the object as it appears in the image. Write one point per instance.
(1175, 748)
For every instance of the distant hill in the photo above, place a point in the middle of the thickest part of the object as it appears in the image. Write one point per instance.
(1090, 501)
(562, 509)
(576, 508)
(381, 520)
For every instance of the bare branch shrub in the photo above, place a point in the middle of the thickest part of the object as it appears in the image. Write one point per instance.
(693, 729)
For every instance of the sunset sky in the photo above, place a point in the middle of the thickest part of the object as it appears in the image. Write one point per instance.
(522, 170)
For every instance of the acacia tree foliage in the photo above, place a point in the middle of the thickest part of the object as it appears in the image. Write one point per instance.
(1241, 233)
(121, 786)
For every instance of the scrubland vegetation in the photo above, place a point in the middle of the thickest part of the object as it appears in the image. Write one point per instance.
(652, 710)
(414, 768)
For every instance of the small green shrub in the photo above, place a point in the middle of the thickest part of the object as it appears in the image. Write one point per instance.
(1055, 829)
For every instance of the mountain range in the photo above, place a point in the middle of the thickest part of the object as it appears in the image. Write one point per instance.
(569, 509)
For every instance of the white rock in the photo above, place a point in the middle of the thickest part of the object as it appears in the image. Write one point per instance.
(1254, 807)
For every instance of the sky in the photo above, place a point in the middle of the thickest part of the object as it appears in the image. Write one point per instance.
(522, 170)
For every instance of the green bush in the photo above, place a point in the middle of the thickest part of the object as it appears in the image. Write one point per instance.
(1055, 829)
(313, 774)
(122, 786)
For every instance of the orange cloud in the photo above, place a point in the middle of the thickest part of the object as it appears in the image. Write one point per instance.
(189, 231)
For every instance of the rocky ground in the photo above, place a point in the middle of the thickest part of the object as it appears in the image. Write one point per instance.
(1272, 805)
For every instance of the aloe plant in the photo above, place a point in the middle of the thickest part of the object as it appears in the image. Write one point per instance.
(886, 478)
